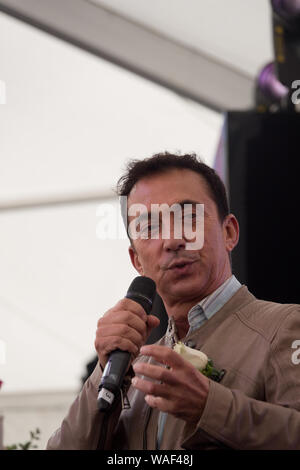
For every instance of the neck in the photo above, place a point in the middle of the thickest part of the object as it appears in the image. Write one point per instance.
(182, 327)
(179, 309)
(179, 312)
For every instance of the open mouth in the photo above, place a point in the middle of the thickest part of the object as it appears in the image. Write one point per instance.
(181, 266)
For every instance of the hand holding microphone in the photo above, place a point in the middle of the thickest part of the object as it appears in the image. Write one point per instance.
(120, 334)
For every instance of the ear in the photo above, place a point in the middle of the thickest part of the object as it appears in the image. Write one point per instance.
(231, 232)
(135, 260)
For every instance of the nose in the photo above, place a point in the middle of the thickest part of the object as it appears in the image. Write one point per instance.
(174, 235)
(174, 244)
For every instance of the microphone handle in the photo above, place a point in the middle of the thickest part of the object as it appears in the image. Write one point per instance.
(118, 361)
(112, 378)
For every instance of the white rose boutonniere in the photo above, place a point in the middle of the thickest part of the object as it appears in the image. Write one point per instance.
(200, 361)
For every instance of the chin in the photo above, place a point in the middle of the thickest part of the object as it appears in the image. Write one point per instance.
(183, 288)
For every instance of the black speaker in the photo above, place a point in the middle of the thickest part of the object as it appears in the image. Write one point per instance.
(263, 176)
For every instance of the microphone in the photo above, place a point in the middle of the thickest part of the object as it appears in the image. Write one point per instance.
(141, 290)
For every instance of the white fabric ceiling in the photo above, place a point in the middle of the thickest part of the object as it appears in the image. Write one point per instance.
(69, 113)
(70, 123)
(236, 32)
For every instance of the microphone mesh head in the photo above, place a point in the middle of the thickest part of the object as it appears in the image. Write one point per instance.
(144, 286)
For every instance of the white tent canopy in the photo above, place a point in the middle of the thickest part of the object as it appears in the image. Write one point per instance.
(206, 50)
(88, 85)
(69, 124)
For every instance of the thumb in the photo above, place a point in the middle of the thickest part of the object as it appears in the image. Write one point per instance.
(152, 322)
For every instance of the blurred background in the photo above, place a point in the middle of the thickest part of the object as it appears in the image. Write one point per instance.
(86, 86)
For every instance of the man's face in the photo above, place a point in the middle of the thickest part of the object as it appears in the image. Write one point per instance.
(181, 273)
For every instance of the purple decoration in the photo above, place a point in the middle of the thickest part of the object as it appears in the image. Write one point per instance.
(288, 8)
(269, 84)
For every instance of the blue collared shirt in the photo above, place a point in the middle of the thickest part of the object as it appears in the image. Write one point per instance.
(208, 306)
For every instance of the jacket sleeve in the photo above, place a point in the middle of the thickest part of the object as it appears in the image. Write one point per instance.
(84, 427)
(237, 421)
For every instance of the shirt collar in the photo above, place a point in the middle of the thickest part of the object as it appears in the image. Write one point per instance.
(204, 309)
(208, 306)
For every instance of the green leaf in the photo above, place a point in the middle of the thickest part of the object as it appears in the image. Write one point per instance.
(25, 446)
(12, 447)
(34, 436)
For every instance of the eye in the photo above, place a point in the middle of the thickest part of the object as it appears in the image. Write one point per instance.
(149, 229)
(190, 216)
(152, 229)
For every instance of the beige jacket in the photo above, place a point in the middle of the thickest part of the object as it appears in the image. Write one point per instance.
(256, 405)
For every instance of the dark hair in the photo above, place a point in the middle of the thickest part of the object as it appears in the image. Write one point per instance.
(160, 162)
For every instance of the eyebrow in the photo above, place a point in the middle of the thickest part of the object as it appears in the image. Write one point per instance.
(142, 217)
(145, 215)
(188, 201)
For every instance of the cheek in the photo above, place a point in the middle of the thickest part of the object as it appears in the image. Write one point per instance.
(213, 239)
(148, 254)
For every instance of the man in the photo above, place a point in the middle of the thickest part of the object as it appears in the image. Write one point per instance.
(173, 405)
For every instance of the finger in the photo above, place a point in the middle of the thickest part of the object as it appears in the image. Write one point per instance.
(123, 331)
(112, 343)
(155, 372)
(152, 388)
(152, 322)
(174, 408)
(158, 402)
(132, 306)
(164, 355)
(125, 317)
